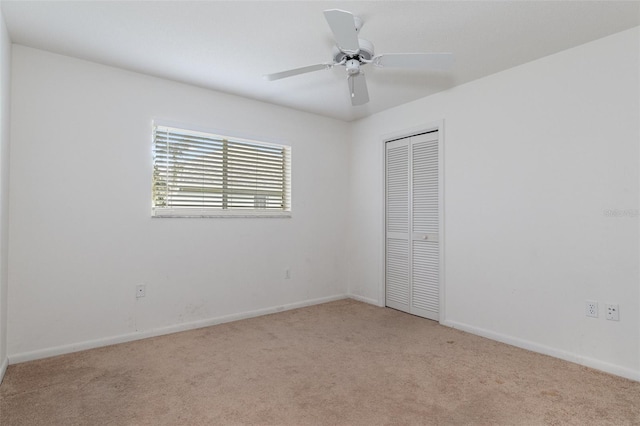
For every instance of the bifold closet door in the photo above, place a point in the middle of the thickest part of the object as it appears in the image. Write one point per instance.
(412, 225)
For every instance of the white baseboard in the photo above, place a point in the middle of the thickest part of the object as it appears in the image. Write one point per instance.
(91, 344)
(546, 350)
(364, 299)
(3, 368)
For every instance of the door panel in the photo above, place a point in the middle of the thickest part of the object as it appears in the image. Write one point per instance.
(425, 186)
(398, 273)
(425, 282)
(397, 226)
(397, 188)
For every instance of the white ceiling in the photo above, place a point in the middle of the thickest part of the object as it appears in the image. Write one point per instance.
(228, 45)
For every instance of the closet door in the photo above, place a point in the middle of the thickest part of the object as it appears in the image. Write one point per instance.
(412, 225)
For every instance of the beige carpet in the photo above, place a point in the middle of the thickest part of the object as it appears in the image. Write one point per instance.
(343, 362)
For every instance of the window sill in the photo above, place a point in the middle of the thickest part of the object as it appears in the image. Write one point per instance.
(219, 214)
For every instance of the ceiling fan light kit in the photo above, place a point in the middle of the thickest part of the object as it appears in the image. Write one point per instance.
(353, 52)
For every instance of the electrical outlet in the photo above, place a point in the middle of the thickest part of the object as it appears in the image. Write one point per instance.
(591, 309)
(612, 312)
(141, 291)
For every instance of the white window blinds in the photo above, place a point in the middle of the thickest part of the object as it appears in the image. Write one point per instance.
(201, 174)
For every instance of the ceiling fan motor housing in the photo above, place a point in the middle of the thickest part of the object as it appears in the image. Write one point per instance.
(365, 52)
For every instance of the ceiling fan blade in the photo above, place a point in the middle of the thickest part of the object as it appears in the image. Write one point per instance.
(296, 71)
(434, 61)
(343, 26)
(358, 89)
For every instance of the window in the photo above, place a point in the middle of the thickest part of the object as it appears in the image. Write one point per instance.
(202, 174)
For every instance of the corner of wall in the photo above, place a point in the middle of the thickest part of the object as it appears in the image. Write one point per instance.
(5, 104)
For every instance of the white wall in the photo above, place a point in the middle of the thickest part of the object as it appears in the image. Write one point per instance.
(5, 106)
(81, 235)
(533, 157)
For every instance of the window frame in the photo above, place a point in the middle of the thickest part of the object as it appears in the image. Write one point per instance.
(211, 212)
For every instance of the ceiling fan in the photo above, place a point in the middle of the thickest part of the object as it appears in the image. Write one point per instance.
(353, 53)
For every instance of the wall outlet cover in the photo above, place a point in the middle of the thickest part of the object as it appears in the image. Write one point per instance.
(141, 291)
(612, 312)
